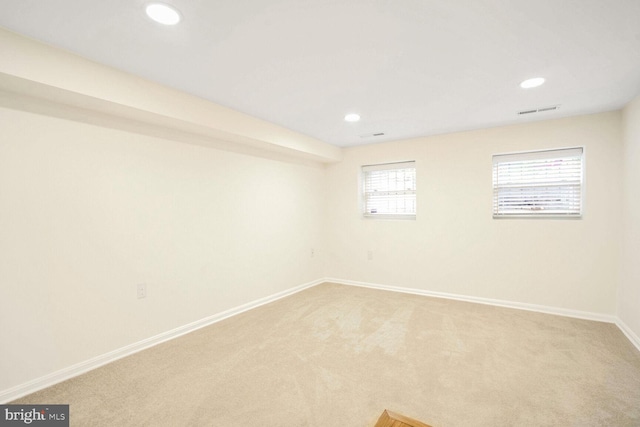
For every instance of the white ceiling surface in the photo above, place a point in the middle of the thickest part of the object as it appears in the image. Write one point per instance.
(408, 67)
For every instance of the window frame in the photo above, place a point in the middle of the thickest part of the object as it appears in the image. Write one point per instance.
(411, 164)
(540, 154)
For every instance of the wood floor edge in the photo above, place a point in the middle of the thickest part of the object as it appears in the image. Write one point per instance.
(393, 419)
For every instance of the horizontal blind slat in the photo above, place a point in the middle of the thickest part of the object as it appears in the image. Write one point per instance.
(390, 189)
(539, 183)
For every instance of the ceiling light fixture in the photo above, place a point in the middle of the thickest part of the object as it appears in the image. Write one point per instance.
(163, 13)
(529, 83)
(352, 117)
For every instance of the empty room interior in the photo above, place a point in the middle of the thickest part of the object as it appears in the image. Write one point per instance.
(275, 213)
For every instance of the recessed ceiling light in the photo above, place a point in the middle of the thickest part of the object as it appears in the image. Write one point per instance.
(529, 83)
(163, 13)
(353, 117)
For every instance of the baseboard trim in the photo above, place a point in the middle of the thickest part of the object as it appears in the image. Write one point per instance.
(82, 367)
(635, 340)
(88, 365)
(487, 301)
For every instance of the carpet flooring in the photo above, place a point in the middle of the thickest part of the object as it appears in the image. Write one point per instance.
(336, 355)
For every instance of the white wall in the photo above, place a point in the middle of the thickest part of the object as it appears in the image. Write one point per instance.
(629, 294)
(454, 245)
(88, 212)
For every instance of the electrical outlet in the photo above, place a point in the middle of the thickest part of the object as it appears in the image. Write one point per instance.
(370, 255)
(142, 290)
(313, 252)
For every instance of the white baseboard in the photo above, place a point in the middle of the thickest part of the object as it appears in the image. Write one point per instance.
(631, 336)
(82, 367)
(635, 340)
(488, 301)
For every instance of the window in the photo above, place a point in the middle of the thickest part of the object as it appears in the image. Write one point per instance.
(390, 190)
(538, 183)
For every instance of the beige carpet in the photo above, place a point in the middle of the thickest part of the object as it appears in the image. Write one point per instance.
(338, 356)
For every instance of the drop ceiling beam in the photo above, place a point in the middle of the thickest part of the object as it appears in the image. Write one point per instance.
(88, 91)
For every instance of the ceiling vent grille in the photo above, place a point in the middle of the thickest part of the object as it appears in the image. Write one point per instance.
(371, 135)
(538, 110)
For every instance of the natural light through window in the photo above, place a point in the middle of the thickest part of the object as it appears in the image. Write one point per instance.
(389, 190)
(538, 183)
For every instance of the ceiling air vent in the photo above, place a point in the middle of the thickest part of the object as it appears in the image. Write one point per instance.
(538, 110)
(371, 135)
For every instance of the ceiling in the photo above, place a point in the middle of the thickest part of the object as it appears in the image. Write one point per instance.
(408, 67)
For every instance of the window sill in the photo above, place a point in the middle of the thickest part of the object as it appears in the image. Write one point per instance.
(389, 216)
(537, 216)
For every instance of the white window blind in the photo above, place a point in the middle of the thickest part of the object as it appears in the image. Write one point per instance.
(539, 183)
(390, 190)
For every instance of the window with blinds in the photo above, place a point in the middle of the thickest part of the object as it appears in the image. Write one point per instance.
(538, 183)
(390, 190)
